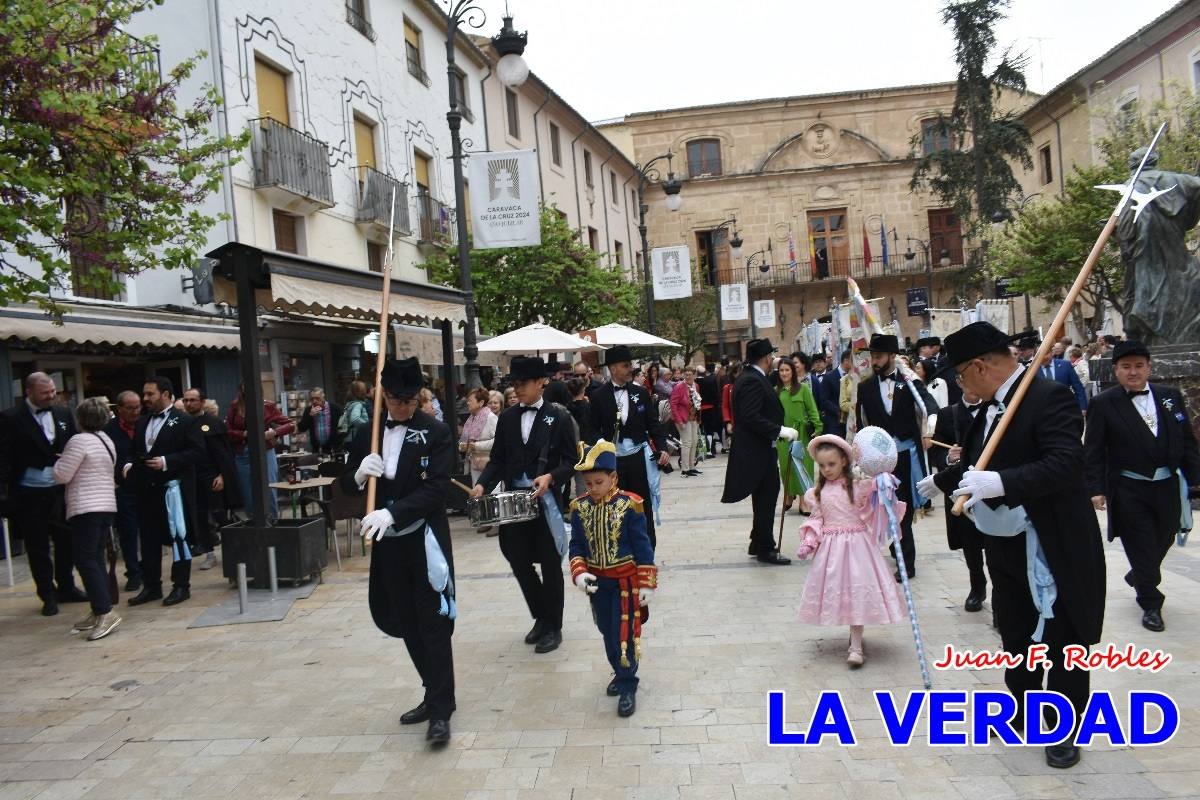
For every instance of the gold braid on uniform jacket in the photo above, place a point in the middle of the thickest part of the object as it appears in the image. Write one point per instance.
(602, 524)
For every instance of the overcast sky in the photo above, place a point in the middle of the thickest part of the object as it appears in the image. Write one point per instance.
(609, 58)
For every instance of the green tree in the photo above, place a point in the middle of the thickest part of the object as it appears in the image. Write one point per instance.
(690, 319)
(101, 169)
(559, 282)
(973, 174)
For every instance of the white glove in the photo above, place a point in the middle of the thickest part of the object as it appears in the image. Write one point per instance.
(371, 467)
(586, 582)
(927, 488)
(645, 596)
(791, 434)
(375, 523)
(980, 485)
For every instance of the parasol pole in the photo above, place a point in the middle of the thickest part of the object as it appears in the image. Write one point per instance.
(385, 302)
(1060, 319)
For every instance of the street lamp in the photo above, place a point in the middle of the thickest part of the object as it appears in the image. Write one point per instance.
(999, 217)
(512, 71)
(735, 252)
(764, 268)
(648, 173)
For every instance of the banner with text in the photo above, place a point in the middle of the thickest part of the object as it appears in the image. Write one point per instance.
(764, 313)
(672, 269)
(733, 302)
(504, 199)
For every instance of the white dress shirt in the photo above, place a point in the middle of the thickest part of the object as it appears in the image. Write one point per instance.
(886, 387)
(44, 418)
(1146, 409)
(154, 427)
(994, 410)
(527, 419)
(393, 443)
(621, 394)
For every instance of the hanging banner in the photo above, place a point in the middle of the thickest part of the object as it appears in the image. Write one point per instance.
(997, 312)
(944, 321)
(672, 270)
(764, 313)
(733, 302)
(504, 199)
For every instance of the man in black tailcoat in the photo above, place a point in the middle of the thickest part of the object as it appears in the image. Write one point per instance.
(753, 469)
(409, 527)
(535, 447)
(624, 413)
(900, 406)
(1036, 476)
(1138, 441)
(216, 476)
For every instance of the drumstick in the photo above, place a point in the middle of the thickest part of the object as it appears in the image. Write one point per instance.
(942, 444)
(461, 485)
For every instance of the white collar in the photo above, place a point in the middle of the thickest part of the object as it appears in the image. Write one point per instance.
(34, 409)
(760, 369)
(1002, 392)
(536, 405)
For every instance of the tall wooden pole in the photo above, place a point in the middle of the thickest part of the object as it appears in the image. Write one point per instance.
(377, 410)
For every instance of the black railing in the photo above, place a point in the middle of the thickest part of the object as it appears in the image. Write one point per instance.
(291, 160)
(359, 22)
(141, 67)
(842, 268)
(435, 221)
(417, 71)
(375, 191)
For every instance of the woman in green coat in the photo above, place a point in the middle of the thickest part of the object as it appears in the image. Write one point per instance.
(799, 412)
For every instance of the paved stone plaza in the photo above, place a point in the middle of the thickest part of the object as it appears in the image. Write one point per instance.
(308, 707)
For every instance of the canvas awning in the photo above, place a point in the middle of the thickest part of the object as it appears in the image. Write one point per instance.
(118, 326)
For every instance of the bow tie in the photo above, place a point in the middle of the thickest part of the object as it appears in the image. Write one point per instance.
(41, 411)
(160, 415)
(1138, 394)
(895, 376)
(395, 423)
(527, 409)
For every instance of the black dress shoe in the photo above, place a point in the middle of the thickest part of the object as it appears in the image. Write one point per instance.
(696, 471)
(974, 602)
(1062, 756)
(611, 690)
(750, 551)
(912, 573)
(71, 595)
(49, 608)
(132, 585)
(1129, 577)
(177, 596)
(415, 715)
(535, 633)
(1152, 621)
(550, 641)
(774, 558)
(145, 596)
(627, 704)
(439, 731)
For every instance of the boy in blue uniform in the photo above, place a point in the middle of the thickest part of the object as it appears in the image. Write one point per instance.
(612, 560)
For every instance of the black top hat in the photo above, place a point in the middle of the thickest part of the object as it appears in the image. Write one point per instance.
(884, 343)
(1130, 348)
(973, 341)
(554, 367)
(525, 367)
(932, 341)
(757, 348)
(617, 354)
(402, 378)
(1028, 342)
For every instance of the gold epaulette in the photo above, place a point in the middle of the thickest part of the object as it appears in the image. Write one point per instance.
(634, 500)
(575, 503)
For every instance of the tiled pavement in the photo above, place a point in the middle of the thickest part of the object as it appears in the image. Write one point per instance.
(308, 707)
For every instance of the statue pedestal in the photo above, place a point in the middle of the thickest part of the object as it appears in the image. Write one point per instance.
(1175, 365)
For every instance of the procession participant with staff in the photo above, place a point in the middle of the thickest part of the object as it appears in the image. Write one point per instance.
(411, 590)
(534, 447)
(1141, 459)
(1041, 537)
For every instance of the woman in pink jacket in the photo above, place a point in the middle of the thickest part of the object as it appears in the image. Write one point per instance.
(685, 412)
(87, 467)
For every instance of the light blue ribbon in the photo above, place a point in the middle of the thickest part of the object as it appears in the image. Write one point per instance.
(797, 451)
(34, 478)
(177, 522)
(885, 496)
(917, 469)
(438, 570)
(1185, 505)
(1007, 522)
(554, 517)
(626, 447)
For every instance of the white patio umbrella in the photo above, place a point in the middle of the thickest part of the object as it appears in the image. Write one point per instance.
(536, 338)
(616, 333)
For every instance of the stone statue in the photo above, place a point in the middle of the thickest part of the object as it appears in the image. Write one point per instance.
(1162, 278)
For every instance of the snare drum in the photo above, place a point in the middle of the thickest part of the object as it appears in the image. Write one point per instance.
(502, 507)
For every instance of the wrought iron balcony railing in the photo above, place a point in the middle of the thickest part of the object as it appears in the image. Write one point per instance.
(435, 221)
(375, 191)
(290, 160)
(841, 268)
(359, 22)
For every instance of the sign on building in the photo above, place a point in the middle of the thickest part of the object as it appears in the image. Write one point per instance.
(672, 270)
(504, 199)
(918, 301)
(734, 302)
(764, 313)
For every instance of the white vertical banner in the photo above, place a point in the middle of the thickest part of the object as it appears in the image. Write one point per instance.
(672, 270)
(504, 199)
(734, 305)
(764, 313)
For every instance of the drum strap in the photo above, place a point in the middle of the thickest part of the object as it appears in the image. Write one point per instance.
(554, 517)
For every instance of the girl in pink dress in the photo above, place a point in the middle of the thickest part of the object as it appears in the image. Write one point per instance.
(849, 583)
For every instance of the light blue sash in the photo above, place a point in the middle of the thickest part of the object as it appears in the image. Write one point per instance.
(626, 447)
(437, 569)
(1185, 505)
(917, 468)
(177, 522)
(797, 451)
(1008, 522)
(38, 478)
(554, 517)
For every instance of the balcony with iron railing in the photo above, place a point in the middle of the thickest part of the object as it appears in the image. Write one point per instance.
(374, 213)
(291, 165)
(357, 21)
(140, 66)
(435, 222)
(855, 267)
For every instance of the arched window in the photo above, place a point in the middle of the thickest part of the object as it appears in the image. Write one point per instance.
(934, 137)
(704, 157)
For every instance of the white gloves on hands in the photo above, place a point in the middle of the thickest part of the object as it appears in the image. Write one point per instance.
(645, 596)
(927, 488)
(979, 485)
(586, 582)
(791, 434)
(375, 523)
(371, 467)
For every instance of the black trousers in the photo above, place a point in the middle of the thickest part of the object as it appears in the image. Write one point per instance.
(904, 492)
(208, 504)
(1016, 619)
(88, 533)
(762, 500)
(127, 532)
(973, 553)
(38, 520)
(523, 545)
(1146, 516)
(631, 477)
(154, 531)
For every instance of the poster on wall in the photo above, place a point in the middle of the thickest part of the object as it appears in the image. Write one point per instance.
(672, 270)
(504, 199)
(734, 305)
(764, 313)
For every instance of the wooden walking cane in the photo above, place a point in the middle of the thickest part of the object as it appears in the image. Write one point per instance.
(1060, 320)
(376, 412)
